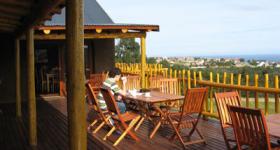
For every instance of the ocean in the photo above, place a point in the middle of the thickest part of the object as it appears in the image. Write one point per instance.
(272, 57)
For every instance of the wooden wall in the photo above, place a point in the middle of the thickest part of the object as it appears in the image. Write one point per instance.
(103, 54)
(7, 68)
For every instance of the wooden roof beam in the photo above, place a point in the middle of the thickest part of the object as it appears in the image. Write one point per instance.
(8, 25)
(42, 9)
(9, 21)
(9, 16)
(15, 3)
(13, 11)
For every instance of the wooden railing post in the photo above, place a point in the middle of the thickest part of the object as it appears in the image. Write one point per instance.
(76, 105)
(276, 84)
(32, 119)
(194, 79)
(211, 94)
(247, 92)
(17, 79)
(225, 78)
(256, 93)
(170, 73)
(231, 79)
(266, 94)
(189, 79)
(239, 83)
(180, 82)
(184, 82)
(200, 75)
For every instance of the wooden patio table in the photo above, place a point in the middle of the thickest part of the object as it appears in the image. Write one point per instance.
(273, 124)
(146, 103)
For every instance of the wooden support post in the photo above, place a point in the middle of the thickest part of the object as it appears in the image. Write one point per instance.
(76, 106)
(31, 88)
(17, 70)
(143, 61)
(276, 84)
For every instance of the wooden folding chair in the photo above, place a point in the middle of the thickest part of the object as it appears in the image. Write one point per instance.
(101, 115)
(189, 115)
(222, 100)
(96, 80)
(250, 128)
(120, 120)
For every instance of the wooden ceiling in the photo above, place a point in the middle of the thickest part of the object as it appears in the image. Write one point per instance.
(16, 16)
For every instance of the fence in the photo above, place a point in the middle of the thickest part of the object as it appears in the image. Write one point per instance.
(263, 97)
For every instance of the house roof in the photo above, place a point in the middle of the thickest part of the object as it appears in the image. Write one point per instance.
(95, 17)
(93, 14)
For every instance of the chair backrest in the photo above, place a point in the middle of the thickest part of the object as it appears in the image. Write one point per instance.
(194, 99)
(96, 80)
(110, 101)
(224, 99)
(169, 85)
(133, 82)
(91, 93)
(154, 82)
(249, 127)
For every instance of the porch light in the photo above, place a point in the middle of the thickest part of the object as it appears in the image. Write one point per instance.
(98, 30)
(47, 31)
(124, 30)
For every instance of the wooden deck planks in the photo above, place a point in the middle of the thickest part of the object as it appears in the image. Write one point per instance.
(53, 131)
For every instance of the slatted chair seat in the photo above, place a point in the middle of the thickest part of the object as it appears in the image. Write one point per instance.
(127, 116)
(188, 116)
(185, 119)
(222, 100)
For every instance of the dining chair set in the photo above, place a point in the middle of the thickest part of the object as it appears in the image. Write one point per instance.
(248, 125)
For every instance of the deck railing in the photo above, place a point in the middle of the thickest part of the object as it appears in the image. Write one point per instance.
(264, 95)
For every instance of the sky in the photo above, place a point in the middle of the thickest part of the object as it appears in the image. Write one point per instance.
(203, 27)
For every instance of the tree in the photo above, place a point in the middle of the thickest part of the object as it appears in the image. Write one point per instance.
(127, 51)
(165, 64)
(151, 60)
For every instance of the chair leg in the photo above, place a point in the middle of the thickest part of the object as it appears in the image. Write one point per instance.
(155, 130)
(225, 138)
(99, 127)
(139, 124)
(131, 124)
(176, 131)
(109, 133)
(93, 123)
(200, 135)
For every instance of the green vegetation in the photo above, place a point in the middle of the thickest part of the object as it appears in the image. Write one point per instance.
(127, 51)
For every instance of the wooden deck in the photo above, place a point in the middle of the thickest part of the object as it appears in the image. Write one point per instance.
(52, 131)
(210, 129)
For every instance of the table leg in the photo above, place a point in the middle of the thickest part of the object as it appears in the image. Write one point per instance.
(48, 84)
